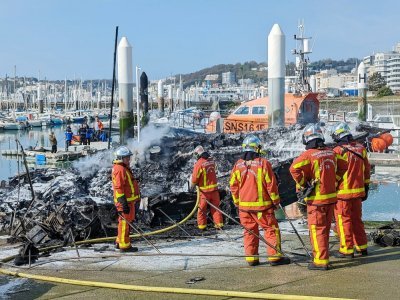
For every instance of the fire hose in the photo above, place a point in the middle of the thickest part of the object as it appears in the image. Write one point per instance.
(158, 289)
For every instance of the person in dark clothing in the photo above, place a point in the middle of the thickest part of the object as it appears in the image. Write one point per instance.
(68, 137)
(89, 135)
(82, 133)
(53, 142)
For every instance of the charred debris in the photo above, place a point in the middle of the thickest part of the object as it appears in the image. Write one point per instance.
(77, 203)
(387, 235)
(60, 206)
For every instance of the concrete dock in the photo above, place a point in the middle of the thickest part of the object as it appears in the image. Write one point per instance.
(384, 159)
(372, 277)
(74, 152)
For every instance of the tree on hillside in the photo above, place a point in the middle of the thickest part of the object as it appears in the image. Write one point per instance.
(384, 91)
(375, 82)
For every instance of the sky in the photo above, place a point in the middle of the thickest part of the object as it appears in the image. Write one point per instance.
(58, 39)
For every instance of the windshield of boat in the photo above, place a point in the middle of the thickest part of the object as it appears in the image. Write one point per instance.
(258, 110)
(383, 119)
(243, 110)
(352, 114)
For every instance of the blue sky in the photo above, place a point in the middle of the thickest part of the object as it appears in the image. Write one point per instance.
(75, 38)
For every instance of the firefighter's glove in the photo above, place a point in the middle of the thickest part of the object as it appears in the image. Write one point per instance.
(192, 188)
(124, 207)
(366, 187)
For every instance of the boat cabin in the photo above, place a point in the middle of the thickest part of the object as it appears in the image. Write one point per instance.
(253, 115)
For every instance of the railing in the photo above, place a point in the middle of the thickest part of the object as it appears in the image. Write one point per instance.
(196, 120)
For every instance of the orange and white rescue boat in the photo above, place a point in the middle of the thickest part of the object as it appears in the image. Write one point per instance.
(253, 115)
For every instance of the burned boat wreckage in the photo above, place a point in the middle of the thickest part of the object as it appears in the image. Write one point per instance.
(48, 207)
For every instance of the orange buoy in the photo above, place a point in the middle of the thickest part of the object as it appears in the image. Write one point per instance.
(387, 137)
(378, 145)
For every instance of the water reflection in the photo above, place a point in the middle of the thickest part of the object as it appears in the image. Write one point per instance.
(383, 202)
(36, 137)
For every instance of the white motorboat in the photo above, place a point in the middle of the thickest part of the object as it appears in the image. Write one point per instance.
(12, 125)
(386, 121)
(35, 123)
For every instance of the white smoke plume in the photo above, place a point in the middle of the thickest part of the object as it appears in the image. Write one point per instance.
(149, 136)
(89, 165)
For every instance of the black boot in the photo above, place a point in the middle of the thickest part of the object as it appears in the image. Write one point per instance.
(363, 252)
(253, 263)
(341, 255)
(312, 266)
(129, 250)
(283, 261)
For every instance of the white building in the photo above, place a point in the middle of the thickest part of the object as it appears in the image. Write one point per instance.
(393, 75)
(228, 78)
(387, 64)
(330, 81)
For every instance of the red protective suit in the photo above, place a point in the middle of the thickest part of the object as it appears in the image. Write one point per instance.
(255, 192)
(204, 176)
(319, 166)
(348, 209)
(124, 184)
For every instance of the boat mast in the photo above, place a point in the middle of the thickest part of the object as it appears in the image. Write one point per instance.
(15, 81)
(301, 66)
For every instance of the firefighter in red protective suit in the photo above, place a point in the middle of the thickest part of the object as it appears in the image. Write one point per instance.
(205, 178)
(255, 193)
(126, 192)
(352, 190)
(318, 167)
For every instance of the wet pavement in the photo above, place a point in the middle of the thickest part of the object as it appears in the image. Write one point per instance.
(373, 277)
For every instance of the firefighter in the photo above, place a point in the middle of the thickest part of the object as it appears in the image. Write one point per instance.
(126, 192)
(352, 190)
(317, 168)
(205, 178)
(255, 193)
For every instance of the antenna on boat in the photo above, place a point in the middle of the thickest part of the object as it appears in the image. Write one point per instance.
(301, 65)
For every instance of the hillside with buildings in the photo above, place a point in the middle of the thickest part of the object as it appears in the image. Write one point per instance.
(240, 81)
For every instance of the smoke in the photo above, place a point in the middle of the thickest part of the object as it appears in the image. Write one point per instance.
(149, 136)
(90, 165)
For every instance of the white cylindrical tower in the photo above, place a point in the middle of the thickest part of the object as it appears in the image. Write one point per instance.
(306, 45)
(313, 83)
(362, 91)
(125, 89)
(362, 76)
(276, 76)
(170, 92)
(160, 90)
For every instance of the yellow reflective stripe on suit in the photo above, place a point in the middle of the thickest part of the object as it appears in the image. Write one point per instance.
(301, 164)
(350, 191)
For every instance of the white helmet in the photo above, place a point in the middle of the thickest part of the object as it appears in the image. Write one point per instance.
(198, 151)
(122, 152)
(251, 143)
(311, 132)
(340, 130)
